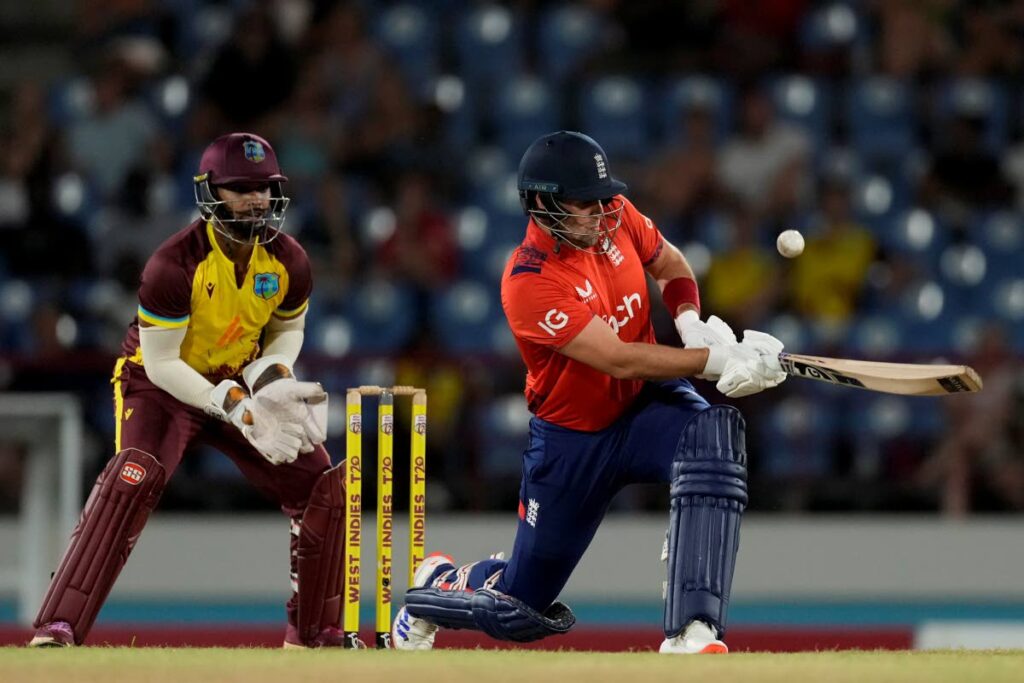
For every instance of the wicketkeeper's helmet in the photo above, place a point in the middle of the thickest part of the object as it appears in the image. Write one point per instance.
(241, 162)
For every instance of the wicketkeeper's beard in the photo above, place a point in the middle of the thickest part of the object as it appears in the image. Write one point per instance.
(249, 227)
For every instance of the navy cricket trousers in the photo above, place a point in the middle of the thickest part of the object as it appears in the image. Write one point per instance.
(570, 478)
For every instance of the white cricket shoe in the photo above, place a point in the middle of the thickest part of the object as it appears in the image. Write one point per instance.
(409, 632)
(696, 639)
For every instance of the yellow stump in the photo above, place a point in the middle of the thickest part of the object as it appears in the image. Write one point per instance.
(385, 522)
(353, 514)
(418, 483)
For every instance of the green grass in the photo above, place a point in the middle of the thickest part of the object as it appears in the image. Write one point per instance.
(156, 665)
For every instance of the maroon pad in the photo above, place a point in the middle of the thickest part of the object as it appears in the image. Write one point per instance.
(124, 494)
(320, 555)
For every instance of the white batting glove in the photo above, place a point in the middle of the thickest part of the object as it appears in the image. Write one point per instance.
(758, 370)
(273, 386)
(769, 348)
(275, 440)
(714, 335)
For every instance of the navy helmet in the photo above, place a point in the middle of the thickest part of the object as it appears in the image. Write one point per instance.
(570, 166)
(241, 162)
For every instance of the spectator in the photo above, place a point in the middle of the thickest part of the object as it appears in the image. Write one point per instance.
(680, 183)
(826, 281)
(115, 138)
(742, 284)
(764, 166)
(979, 463)
(963, 175)
(252, 75)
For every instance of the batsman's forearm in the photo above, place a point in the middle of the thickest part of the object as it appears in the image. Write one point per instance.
(638, 360)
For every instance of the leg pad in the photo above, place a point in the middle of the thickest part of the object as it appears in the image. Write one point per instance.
(124, 494)
(708, 496)
(320, 555)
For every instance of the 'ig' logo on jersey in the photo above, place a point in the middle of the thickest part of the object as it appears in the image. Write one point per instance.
(554, 320)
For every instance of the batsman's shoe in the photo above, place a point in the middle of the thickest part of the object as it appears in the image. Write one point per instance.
(409, 632)
(54, 634)
(696, 639)
(329, 637)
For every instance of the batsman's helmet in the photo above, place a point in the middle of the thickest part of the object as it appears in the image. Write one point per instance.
(241, 162)
(569, 166)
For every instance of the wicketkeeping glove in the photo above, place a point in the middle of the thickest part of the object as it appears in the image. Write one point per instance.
(274, 387)
(276, 440)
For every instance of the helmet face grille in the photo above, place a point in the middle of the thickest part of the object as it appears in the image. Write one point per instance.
(592, 232)
(258, 226)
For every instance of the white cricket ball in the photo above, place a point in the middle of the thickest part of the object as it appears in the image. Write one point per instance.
(790, 243)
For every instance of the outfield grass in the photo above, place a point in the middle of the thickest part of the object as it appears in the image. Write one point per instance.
(154, 665)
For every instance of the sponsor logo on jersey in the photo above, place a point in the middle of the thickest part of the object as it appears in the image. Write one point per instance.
(586, 292)
(209, 289)
(554, 320)
(254, 151)
(133, 473)
(128, 413)
(266, 285)
(626, 310)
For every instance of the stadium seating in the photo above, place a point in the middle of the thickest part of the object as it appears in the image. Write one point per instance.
(409, 34)
(525, 108)
(681, 94)
(567, 36)
(613, 111)
(880, 118)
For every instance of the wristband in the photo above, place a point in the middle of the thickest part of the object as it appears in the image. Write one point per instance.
(679, 291)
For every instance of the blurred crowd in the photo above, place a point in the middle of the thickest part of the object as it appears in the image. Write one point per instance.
(890, 132)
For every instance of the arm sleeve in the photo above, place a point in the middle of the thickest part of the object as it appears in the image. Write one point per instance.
(161, 353)
(643, 233)
(542, 312)
(284, 336)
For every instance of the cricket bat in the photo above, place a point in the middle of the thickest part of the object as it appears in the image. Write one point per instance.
(892, 378)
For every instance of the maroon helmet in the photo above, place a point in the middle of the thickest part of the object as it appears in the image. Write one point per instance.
(241, 162)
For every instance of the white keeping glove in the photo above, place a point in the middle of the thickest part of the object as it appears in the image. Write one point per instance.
(275, 440)
(756, 371)
(273, 385)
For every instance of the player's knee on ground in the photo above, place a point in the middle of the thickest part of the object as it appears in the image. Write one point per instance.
(708, 496)
(124, 494)
(496, 614)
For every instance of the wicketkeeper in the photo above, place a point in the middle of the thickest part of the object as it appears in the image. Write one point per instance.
(193, 371)
(609, 410)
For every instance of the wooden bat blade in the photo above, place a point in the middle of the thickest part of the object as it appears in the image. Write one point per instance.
(907, 379)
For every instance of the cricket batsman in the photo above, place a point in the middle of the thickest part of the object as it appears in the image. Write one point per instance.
(193, 370)
(609, 409)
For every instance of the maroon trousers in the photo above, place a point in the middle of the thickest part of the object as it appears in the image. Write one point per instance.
(153, 421)
(153, 432)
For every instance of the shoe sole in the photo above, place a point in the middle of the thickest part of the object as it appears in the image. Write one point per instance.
(293, 646)
(714, 649)
(47, 641)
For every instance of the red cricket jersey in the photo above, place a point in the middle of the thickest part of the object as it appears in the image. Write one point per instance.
(549, 297)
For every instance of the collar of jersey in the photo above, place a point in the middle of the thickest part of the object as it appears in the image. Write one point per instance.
(211, 234)
(545, 241)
